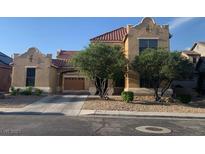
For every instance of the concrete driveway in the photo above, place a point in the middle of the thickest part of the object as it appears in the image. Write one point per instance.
(56, 104)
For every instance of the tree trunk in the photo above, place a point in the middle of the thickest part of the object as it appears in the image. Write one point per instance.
(157, 97)
(101, 87)
(156, 84)
(165, 88)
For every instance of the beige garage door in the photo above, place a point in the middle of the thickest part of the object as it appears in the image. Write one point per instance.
(73, 83)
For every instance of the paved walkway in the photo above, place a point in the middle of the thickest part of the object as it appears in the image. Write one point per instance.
(56, 104)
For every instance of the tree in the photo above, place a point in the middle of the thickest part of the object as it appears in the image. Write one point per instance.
(100, 63)
(162, 67)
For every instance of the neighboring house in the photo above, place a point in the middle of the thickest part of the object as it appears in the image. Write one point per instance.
(5, 72)
(199, 47)
(193, 56)
(51, 75)
(197, 56)
(134, 39)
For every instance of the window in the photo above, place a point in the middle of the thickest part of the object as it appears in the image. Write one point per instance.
(147, 43)
(30, 76)
(144, 44)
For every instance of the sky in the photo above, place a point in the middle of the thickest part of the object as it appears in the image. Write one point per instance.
(51, 34)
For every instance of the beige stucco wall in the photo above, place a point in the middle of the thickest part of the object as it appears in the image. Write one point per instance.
(53, 79)
(44, 73)
(147, 29)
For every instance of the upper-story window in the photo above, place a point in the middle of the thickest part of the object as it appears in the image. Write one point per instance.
(147, 43)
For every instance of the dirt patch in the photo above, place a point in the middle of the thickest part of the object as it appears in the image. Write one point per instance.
(18, 101)
(141, 104)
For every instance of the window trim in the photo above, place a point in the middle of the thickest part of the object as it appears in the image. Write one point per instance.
(148, 38)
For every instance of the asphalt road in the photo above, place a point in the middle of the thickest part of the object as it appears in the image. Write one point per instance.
(58, 125)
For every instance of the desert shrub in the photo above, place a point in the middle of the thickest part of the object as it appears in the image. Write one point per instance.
(184, 98)
(27, 91)
(38, 92)
(127, 96)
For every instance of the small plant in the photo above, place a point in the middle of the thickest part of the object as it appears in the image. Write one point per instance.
(127, 96)
(38, 92)
(27, 91)
(184, 98)
(14, 91)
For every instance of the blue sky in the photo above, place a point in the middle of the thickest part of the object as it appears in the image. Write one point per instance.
(50, 34)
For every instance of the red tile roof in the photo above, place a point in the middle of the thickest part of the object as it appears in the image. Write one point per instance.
(59, 63)
(116, 35)
(64, 54)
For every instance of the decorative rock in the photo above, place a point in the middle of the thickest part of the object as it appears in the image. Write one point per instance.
(167, 100)
(170, 100)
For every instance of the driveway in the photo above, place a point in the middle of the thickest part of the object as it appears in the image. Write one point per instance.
(55, 104)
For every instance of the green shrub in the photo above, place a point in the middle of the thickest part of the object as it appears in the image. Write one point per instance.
(18, 90)
(184, 98)
(14, 91)
(27, 91)
(38, 92)
(127, 96)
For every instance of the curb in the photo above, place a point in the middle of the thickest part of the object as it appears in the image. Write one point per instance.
(141, 114)
(82, 113)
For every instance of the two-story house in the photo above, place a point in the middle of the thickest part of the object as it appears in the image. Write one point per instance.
(134, 39)
(35, 69)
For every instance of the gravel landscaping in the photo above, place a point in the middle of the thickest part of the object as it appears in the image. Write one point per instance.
(140, 103)
(18, 101)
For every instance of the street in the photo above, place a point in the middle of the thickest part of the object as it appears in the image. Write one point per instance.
(58, 125)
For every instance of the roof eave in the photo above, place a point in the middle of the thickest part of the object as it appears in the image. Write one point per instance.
(52, 65)
(97, 41)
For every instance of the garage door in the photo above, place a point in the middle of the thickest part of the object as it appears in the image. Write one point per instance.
(73, 83)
